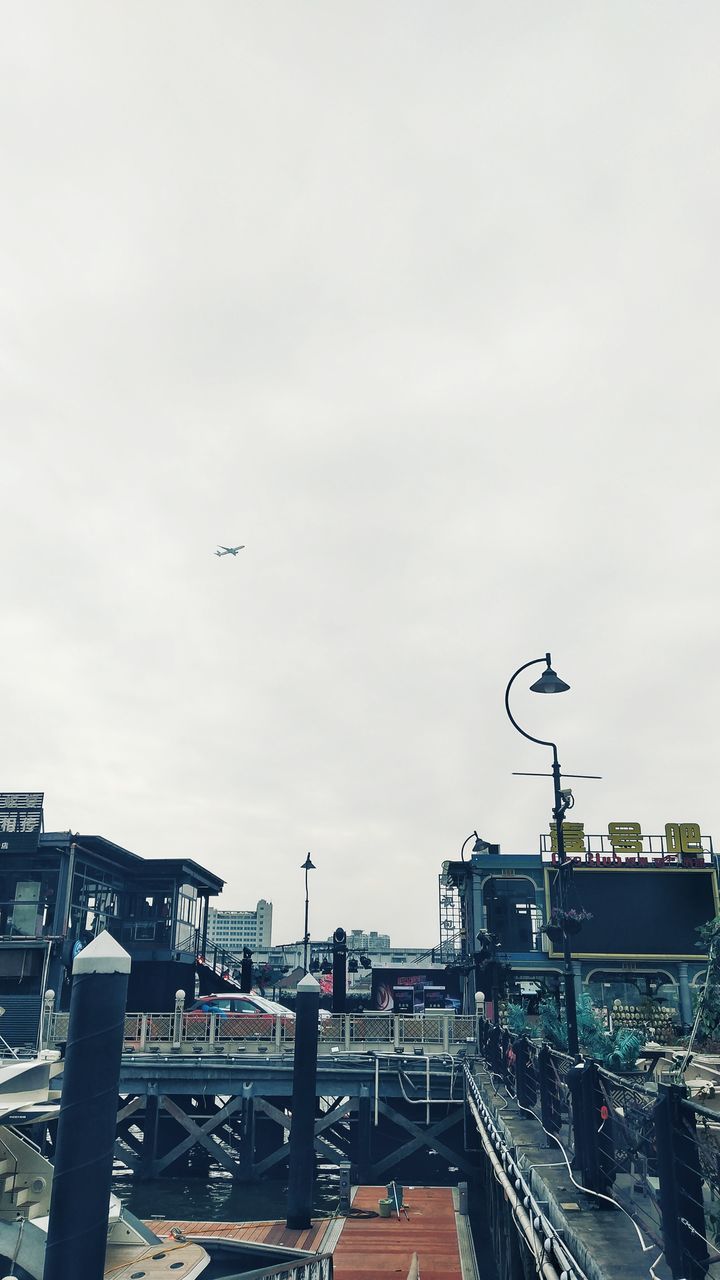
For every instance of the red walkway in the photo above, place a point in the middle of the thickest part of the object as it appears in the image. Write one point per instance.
(371, 1248)
(368, 1248)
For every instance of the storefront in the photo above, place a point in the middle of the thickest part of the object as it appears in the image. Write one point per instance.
(637, 901)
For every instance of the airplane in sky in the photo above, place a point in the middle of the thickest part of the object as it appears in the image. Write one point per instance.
(229, 551)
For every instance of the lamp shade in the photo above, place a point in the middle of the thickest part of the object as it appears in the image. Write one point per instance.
(549, 682)
(308, 864)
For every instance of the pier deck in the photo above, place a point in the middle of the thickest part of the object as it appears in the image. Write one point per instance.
(362, 1248)
(370, 1248)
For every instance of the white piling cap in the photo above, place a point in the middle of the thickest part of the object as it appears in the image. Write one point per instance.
(102, 955)
(308, 984)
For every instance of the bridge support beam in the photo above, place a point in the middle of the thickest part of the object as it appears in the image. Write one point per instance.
(421, 1136)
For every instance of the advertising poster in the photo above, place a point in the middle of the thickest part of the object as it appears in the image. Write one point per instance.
(434, 976)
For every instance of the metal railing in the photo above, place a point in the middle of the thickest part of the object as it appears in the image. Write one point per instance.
(319, 1267)
(646, 1146)
(203, 1032)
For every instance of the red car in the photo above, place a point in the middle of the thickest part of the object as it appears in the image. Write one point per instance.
(240, 1016)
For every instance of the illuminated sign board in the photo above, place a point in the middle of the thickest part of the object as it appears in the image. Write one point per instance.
(20, 820)
(681, 845)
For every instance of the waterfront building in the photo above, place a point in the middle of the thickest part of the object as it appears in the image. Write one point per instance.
(234, 930)
(59, 889)
(635, 905)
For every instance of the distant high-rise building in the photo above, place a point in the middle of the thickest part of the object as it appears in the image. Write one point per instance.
(234, 930)
(359, 940)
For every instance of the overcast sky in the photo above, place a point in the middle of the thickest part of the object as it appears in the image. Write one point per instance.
(420, 302)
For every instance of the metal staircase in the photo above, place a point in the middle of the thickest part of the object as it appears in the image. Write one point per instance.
(216, 970)
(25, 1177)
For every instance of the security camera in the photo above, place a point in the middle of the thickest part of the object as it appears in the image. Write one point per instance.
(567, 798)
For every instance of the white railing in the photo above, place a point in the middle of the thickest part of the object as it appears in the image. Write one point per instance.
(318, 1268)
(203, 1032)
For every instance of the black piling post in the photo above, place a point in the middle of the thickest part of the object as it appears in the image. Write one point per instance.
(549, 1100)
(364, 1132)
(587, 1121)
(80, 1201)
(339, 992)
(681, 1184)
(246, 970)
(494, 1050)
(524, 1075)
(301, 1174)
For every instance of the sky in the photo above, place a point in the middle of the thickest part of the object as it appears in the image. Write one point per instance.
(419, 302)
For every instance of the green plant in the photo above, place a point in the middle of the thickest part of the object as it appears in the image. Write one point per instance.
(706, 1002)
(516, 1018)
(617, 1050)
(624, 1055)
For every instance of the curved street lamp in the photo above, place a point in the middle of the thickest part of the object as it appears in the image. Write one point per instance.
(478, 847)
(550, 682)
(308, 865)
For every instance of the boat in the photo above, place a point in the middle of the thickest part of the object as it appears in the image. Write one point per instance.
(27, 1098)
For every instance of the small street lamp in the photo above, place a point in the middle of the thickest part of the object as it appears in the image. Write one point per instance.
(549, 682)
(308, 865)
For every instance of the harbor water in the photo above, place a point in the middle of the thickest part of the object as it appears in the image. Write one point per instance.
(220, 1198)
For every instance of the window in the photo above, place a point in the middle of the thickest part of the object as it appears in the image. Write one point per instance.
(28, 897)
(511, 912)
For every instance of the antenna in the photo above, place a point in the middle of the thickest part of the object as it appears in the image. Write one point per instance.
(519, 774)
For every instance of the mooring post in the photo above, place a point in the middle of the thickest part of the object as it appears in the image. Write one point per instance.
(524, 1079)
(339, 991)
(549, 1100)
(150, 1137)
(46, 1020)
(247, 1131)
(178, 1018)
(681, 1184)
(364, 1134)
(80, 1201)
(301, 1174)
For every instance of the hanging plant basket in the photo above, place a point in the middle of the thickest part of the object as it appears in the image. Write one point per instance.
(554, 933)
(565, 922)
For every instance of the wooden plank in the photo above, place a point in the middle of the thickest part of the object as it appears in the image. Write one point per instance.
(261, 1232)
(370, 1248)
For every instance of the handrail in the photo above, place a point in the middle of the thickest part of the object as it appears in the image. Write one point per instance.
(13, 1157)
(9, 1047)
(318, 1266)
(436, 1032)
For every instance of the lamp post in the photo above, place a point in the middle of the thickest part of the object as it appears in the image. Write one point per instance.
(308, 865)
(478, 847)
(549, 682)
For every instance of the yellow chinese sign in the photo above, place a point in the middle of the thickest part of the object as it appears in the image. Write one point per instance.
(625, 842)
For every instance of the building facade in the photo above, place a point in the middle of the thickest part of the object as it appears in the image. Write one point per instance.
(634, 905)
(58, 890)
(359, 940)
(233, 930)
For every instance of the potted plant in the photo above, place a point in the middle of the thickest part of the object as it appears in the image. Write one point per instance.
(561, 922)
(574, 919)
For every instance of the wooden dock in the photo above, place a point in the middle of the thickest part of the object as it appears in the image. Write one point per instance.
(370, 1248)
(362, 1248)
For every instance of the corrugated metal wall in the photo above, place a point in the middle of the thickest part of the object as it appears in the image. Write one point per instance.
(20, 1023)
